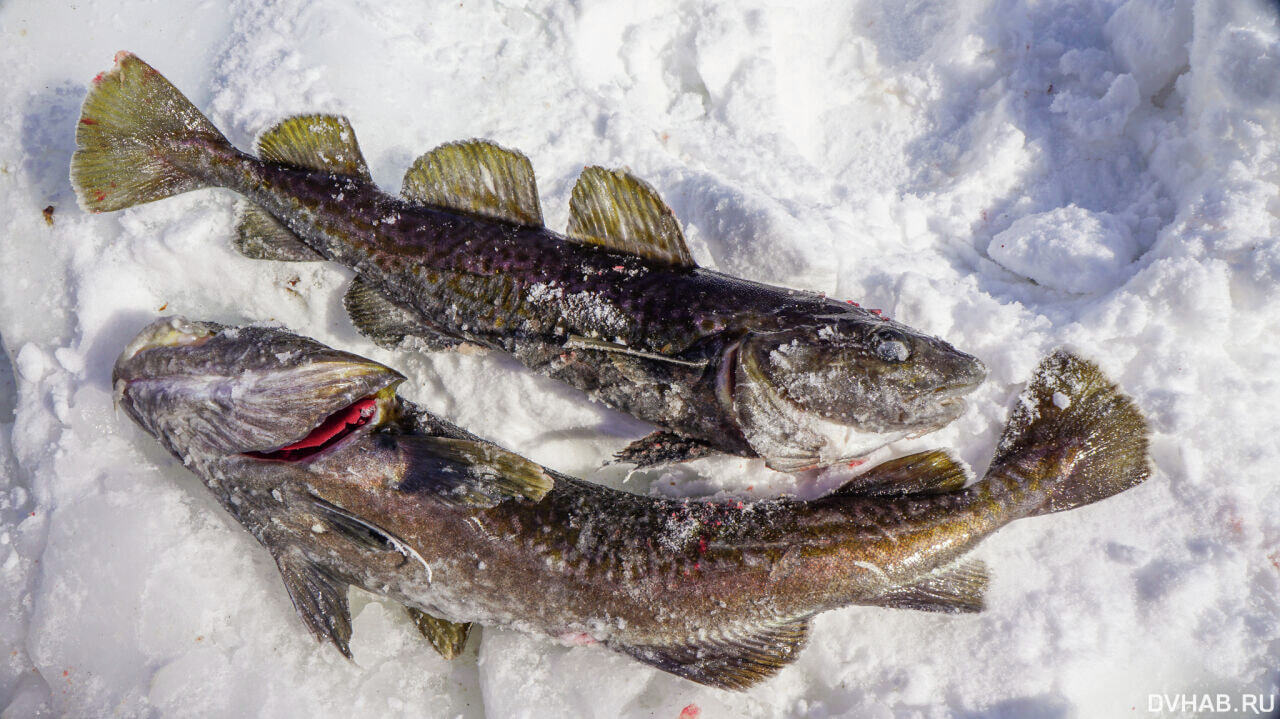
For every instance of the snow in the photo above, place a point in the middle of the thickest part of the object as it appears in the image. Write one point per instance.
(1124, 153)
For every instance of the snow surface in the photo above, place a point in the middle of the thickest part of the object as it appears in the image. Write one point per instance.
(1013, 177)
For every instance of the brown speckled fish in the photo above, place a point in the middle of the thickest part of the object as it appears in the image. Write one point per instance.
(615, 306)
(346, 484)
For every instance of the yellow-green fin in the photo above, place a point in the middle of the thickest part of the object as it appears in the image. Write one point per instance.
(616, 210)
(136, 133)
(932, 472)
(315, 142)
(479, 177)
(386, 323)
(447, 638)
(260, 236)
(736, 661)
(958, 588)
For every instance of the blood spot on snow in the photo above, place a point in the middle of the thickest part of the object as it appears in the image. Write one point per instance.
(856, 462)
(97, 79)
(1275, 559)
(691, 711)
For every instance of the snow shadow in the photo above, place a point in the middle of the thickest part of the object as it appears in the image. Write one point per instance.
(8, 388)
(48, 140)
(1041, 707)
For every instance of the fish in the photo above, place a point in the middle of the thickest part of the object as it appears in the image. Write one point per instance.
(346, 484)
(615, 306)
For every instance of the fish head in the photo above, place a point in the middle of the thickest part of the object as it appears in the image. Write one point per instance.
(210, 392)
(845, 383)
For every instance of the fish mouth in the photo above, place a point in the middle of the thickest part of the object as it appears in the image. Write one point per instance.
(369, 412)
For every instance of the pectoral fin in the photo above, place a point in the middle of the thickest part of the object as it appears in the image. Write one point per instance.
(933, 472)
(735, 662)
(618, 211)
(663, 447)
(474, 473)
(958, 588)
(320, 600)
(447, 638)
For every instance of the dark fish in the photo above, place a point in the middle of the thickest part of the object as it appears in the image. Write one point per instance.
(346, 484)
(615, 307)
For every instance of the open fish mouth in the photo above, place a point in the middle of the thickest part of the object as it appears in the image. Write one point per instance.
(211, 391)
(334, 430)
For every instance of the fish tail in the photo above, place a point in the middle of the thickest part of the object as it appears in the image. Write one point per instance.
(135, 139)
(1073, 439)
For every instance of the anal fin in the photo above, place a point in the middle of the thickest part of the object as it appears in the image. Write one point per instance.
(737, 661)
(932, 472)
(447, 638)
(662, 447)
(319, 599)
(260, 236)
(958, 588)
(386, 323)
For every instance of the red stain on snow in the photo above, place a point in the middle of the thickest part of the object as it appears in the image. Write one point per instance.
(97, 79)
(856, 462)
(1275, 559)
(691, 711)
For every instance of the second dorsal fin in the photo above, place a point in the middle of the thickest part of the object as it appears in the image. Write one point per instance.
(315, 142)
(619, 211)
(479, 177)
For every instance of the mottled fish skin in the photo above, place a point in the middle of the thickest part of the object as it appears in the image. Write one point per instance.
(530, 291)
(667, 581)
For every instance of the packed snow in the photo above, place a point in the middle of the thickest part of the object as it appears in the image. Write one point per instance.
(1014, 177)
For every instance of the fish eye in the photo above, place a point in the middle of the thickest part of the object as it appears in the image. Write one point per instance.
(890, 345)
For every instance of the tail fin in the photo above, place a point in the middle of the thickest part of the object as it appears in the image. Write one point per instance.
(133, 125)
(1073, 436)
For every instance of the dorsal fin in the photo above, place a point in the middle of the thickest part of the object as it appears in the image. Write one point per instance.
(616, 210)
(932, 472)
(738, 661)
(315, 142)
(479, 177)
(960, 587)
(260, 236)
